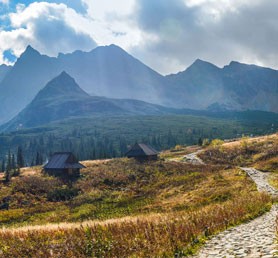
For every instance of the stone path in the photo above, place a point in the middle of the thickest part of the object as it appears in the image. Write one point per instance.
(256, 238)
(193, 158)
(261, 180)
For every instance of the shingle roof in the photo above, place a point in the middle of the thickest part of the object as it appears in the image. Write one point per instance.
(61, 160)
(141, 149)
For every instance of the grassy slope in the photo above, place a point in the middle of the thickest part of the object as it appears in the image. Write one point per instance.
(260, 153)
(170, 206)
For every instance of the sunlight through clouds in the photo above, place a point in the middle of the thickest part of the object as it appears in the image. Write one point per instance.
(166, 35)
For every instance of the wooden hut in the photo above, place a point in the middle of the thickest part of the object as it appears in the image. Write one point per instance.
(63, 164)
(142, 152)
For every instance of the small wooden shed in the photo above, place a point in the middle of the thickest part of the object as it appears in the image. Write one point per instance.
(63, 164)
(142, 152)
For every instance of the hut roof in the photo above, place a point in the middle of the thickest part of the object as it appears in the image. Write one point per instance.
(62, 160)
(141, 149)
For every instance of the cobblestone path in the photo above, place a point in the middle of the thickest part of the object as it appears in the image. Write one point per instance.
(256, 238)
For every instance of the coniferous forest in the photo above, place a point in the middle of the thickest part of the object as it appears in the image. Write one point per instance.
(101, 138)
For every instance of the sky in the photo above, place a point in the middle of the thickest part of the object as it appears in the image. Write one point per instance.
(167, 35)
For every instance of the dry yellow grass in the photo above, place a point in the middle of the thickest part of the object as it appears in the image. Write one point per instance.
(169, 235)
(88, 223)
(251, 140)
(89, 163)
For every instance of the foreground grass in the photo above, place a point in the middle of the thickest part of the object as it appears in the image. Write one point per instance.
(119, 188)
(167, 235)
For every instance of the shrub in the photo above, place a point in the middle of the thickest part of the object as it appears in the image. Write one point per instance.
(35, 185)
(216, 143)
(62, 194)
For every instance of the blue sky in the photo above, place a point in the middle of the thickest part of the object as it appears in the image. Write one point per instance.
(167, 35)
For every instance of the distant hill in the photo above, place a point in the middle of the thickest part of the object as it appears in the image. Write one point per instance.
(62, 98)
(111, 72)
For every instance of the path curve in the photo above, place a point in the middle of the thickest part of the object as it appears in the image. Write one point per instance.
(193, 158)
(261, 180)
(256, 238)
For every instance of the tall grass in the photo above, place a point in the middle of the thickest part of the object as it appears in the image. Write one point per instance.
(176, 233)
(246, 152)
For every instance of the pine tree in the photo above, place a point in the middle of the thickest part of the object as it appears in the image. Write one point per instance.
(12, 162)
(38, 159)
(3, 165)
(20, 159)
(8, 171)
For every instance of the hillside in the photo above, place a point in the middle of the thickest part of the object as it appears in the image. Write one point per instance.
(139, 209)
(111, 72)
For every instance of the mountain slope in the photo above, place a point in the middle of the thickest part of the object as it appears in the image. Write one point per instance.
(22, 83)
(251, 86)
(62, 98)
(197, 87)
(4, 69)
(235, 87)
(110, 71)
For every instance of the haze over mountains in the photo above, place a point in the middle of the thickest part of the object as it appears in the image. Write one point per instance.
(111, 72)
(4, 69)
(62, 98)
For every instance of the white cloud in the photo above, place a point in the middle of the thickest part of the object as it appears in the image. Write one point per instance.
(48, 27)
(109, 9)
(113, 22)
(53, 28)
(214, 30)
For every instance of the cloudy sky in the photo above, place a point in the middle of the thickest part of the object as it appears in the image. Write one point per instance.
(167, 35)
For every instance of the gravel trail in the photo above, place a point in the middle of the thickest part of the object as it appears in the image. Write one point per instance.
(256, 238)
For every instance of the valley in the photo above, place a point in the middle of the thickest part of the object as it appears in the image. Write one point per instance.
(162, 208)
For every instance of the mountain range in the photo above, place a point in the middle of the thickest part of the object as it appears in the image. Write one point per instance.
(111, 72)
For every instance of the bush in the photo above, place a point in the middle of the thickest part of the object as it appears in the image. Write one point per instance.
(62, 194)
(216, 143)
(35, 185)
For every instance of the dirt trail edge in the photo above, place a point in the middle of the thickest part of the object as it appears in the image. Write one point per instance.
(256, 238)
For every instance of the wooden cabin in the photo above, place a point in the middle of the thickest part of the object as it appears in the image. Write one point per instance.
(63, 164)
(142, 152)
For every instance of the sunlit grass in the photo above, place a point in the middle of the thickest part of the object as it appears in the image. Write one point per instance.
(176, 233)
